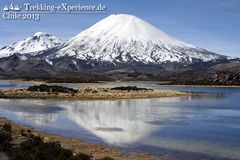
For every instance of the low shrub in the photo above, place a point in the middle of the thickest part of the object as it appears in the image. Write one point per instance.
(130, 88)
(54, 88)
(34, 148)
(105, 158)
(7, 127)
(5, 137)
(23, 133)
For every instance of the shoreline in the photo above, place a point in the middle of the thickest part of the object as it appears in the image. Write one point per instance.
(38, 82)
(90, 94)
(34, 82)
(79, 146)
(203, 86)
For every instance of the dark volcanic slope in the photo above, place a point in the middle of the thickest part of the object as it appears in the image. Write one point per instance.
(67, 69)
(211, 73)
(231, 66)
(17, 66)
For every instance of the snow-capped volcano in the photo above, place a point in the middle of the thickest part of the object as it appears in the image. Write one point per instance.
(125, 38)
(40, 41)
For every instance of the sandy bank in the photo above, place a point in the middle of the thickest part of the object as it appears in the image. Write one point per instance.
(90, 94)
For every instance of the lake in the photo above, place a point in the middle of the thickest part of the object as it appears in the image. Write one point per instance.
(204, 126)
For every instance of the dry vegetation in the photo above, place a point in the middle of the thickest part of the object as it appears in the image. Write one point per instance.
(87, 93)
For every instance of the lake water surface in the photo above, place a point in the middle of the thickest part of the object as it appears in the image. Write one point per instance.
(204, 126)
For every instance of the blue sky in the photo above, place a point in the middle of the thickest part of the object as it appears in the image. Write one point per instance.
(210, 24)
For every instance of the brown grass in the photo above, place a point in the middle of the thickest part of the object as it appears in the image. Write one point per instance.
(91, 94)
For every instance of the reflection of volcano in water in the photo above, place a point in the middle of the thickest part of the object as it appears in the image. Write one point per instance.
(206, 124)
(119, 122)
